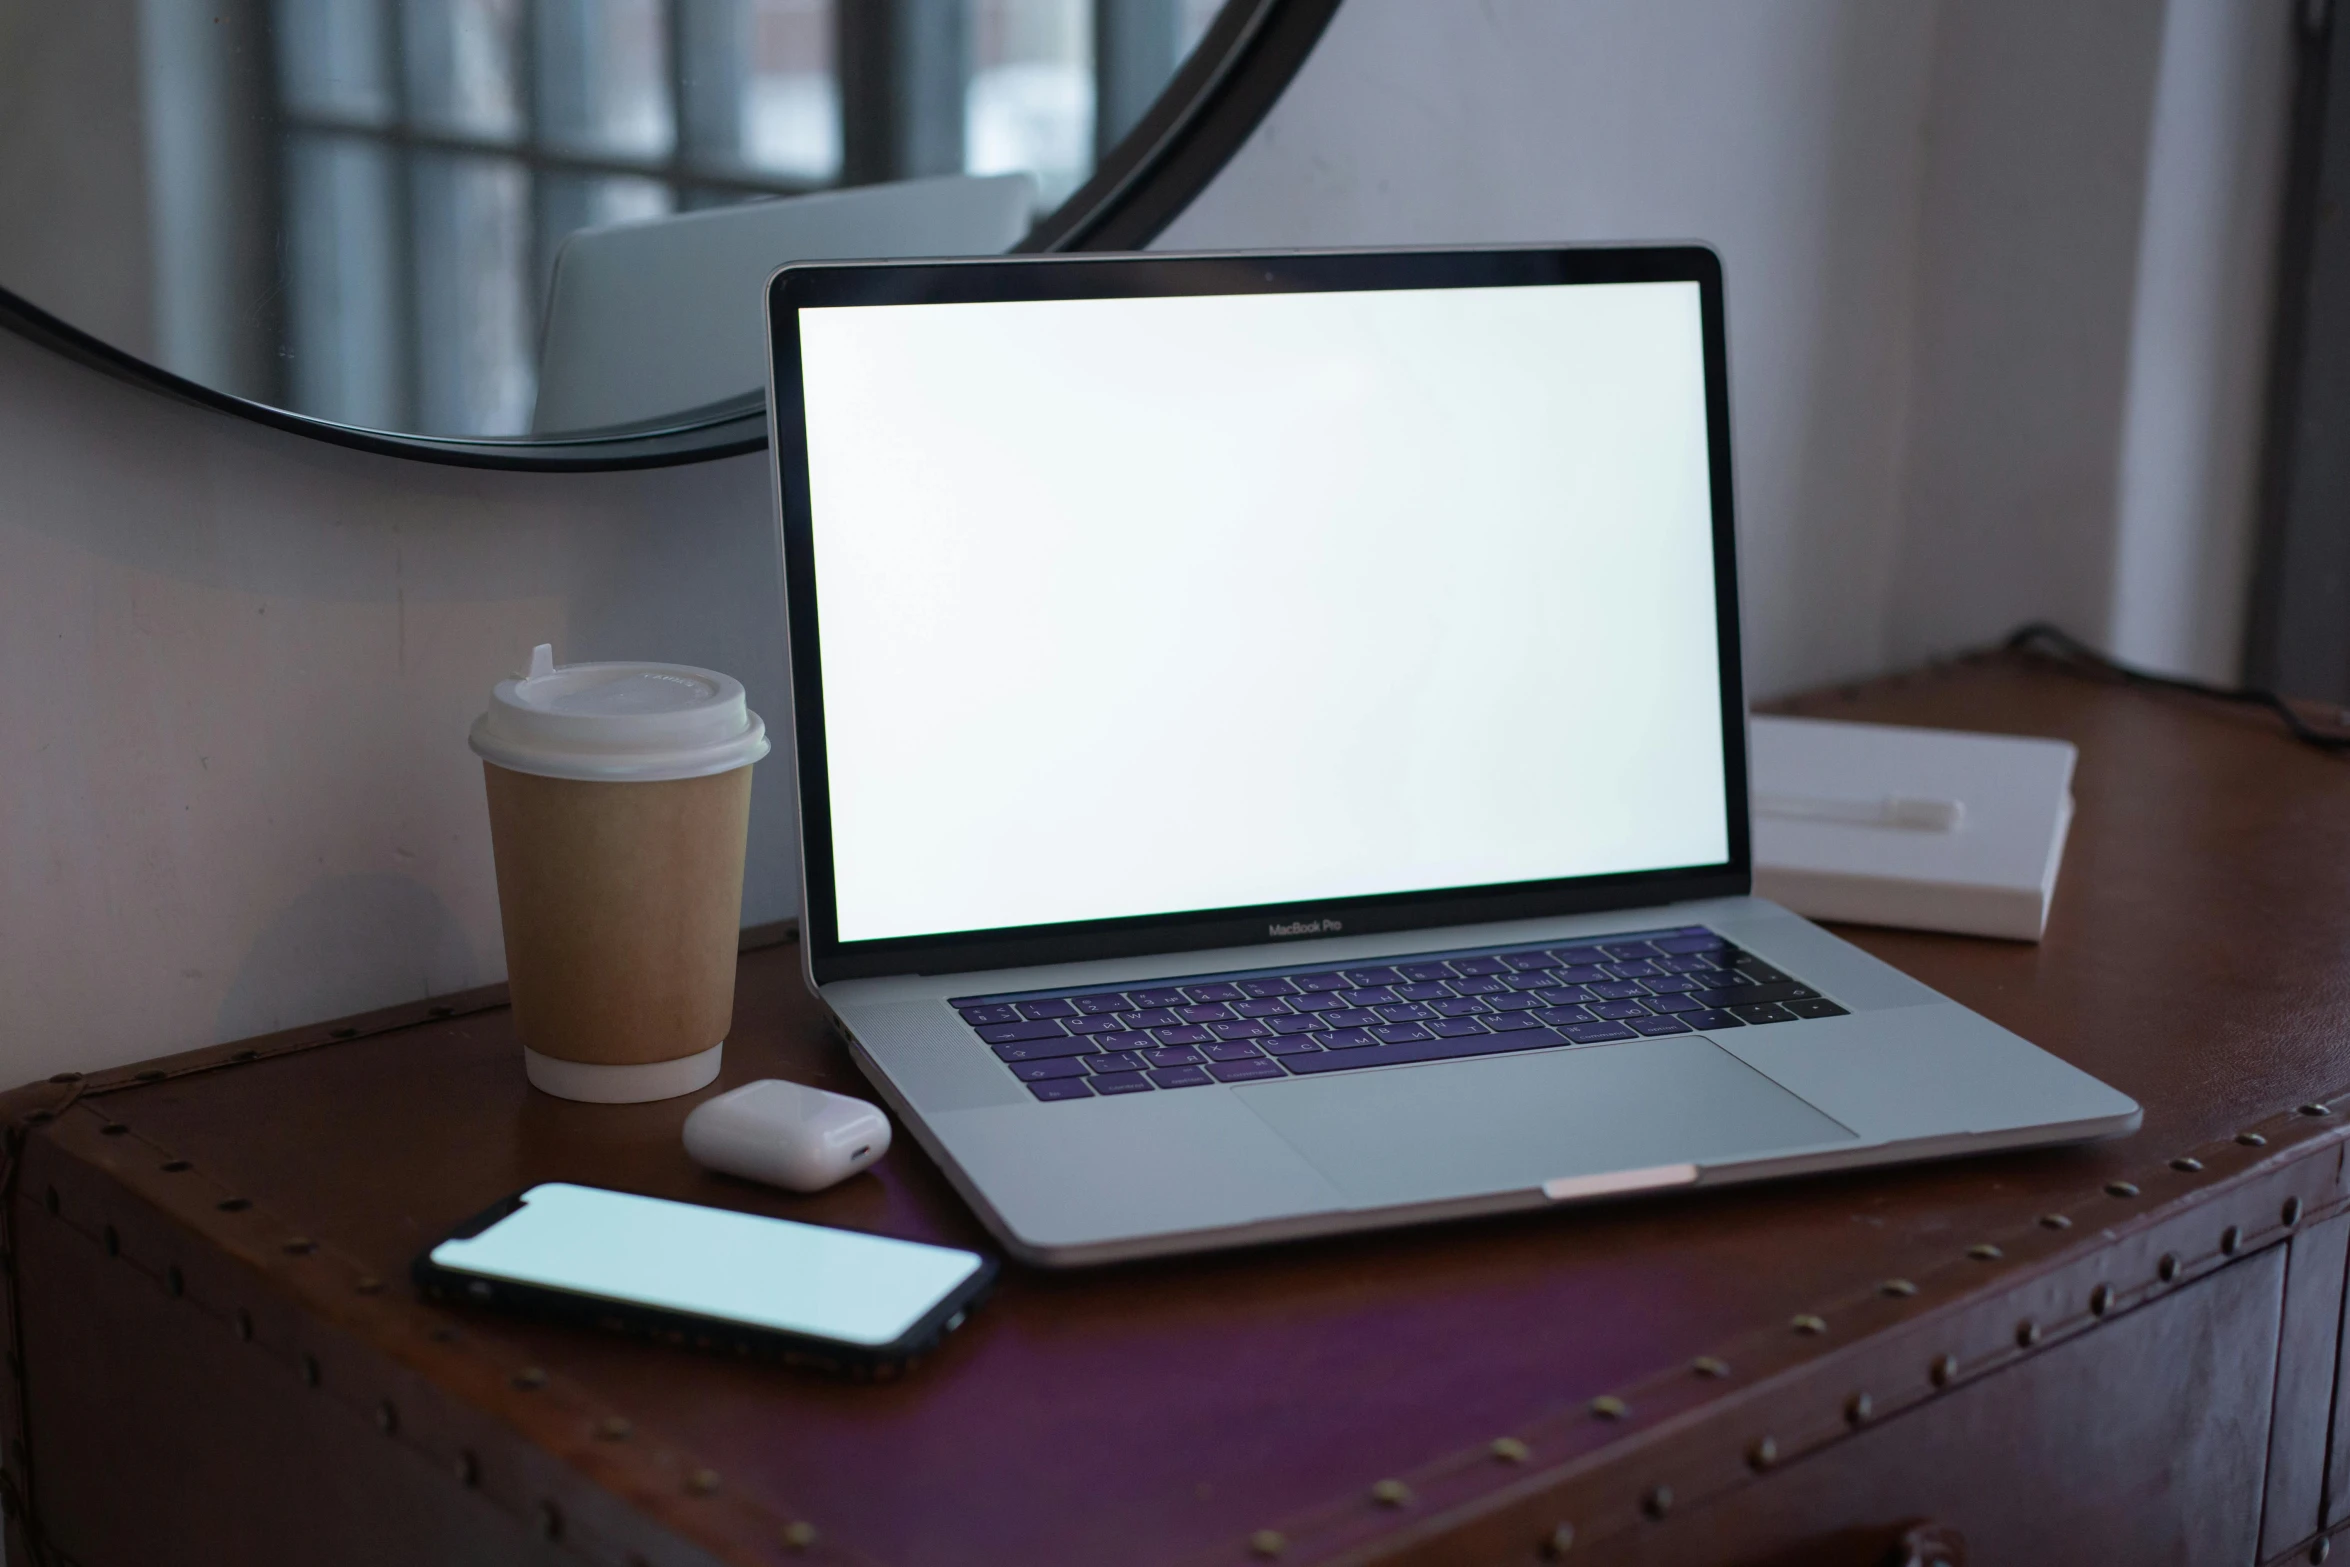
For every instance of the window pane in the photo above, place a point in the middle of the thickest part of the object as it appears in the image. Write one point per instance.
(342, 280)
(1136, 44)
(332, 61)
(463, 60)
(475, 329)
(1192, 19)
(1029, 104)
(603, 77)
(791, 110)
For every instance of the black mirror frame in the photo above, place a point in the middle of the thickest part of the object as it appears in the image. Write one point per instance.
(1238, 70)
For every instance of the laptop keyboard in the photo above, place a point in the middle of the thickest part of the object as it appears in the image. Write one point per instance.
(1270, 1023)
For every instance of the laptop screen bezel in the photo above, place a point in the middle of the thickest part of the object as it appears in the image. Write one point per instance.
(834, 284)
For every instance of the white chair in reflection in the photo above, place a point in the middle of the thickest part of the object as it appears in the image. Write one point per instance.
(648, 320)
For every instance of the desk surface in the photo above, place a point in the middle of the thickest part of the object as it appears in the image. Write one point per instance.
(2197, 957)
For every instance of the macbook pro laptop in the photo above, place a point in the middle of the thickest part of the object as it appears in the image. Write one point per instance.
(1272, 755)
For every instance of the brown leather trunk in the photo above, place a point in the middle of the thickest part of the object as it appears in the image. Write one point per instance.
(2125, 1352)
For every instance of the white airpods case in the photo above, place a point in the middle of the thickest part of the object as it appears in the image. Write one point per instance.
(786, 1134)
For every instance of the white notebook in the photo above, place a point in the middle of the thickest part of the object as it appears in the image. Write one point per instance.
(1932, 829)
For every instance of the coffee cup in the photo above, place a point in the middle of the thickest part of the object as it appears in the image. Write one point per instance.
(620, 802)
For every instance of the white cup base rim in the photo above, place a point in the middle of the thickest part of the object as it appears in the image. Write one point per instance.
(595, 1083)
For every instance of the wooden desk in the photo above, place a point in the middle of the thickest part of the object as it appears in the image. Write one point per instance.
(2118, 1353)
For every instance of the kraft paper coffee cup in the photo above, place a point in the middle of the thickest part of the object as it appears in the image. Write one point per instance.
(620, 802)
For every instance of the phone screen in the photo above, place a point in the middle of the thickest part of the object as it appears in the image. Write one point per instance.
(738, 1267)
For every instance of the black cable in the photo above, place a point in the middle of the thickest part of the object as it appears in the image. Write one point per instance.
(2040, 636)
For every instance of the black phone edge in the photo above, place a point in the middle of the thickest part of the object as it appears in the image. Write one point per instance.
(685, 1329)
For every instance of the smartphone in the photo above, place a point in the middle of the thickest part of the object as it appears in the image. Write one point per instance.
(709, 1278)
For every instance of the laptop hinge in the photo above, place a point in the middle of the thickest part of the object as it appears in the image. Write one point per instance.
(1567, 1188)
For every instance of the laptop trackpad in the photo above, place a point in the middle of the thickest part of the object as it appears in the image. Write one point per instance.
(1496, 1123)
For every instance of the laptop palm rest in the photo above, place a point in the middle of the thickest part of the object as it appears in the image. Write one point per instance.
(1462, 1128)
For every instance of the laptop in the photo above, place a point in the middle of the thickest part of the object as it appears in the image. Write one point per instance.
(1272, 755)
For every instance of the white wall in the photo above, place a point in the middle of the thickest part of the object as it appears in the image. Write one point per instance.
(2199, 338)
(1786, 135)
(2030, 208)
(236, 672)
(1995, 303)
(2098, 214)
(1997, 274)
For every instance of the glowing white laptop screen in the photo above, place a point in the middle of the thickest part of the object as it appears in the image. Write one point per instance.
(1145, 606)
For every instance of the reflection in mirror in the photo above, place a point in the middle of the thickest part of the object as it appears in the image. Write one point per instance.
(359, 209)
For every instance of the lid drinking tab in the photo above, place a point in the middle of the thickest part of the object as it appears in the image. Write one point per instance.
(619, 722)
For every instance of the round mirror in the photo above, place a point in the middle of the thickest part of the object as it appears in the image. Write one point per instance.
(533, 232)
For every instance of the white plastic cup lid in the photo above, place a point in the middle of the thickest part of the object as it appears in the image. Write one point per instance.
(629, 723)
